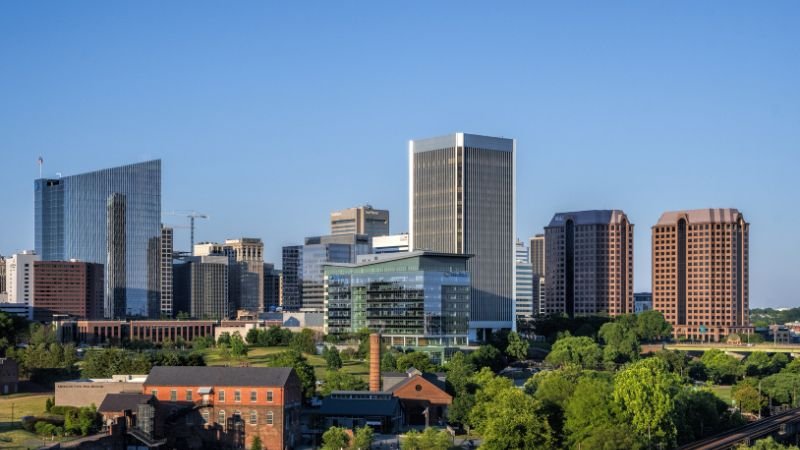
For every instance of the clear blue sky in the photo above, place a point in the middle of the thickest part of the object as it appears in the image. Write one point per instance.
(268, 116)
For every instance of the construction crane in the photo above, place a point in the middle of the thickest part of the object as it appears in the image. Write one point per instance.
(191, 215)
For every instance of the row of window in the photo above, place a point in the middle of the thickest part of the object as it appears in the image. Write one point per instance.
(237, 395)
(253, 419)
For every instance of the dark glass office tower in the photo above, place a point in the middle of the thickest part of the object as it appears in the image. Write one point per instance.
(115, 257)
(71, 221)
(461, 198)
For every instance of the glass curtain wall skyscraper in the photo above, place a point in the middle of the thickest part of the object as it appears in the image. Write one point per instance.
(462, 200)
(71, 217)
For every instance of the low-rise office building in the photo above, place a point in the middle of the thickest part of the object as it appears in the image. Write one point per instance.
(416, 300)
(92, 391)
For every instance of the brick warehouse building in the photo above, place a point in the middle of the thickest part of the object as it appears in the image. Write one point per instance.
(231, 405)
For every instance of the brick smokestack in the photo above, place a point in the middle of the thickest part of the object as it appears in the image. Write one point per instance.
(375, 362)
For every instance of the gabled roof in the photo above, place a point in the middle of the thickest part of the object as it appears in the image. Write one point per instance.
(218, 376)
(123, 401)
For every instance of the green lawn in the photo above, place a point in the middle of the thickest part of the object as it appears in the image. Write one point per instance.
(258, 357)
(11, 434)
(723, 392)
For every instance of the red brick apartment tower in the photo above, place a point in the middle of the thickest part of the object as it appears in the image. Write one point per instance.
(232, 404)
(701, 272)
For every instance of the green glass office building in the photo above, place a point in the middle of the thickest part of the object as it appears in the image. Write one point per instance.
(416, 300)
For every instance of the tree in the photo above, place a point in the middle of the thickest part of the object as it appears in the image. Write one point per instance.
(429, 439)
(767, 444)
(514, 422)
(102, 363)
(304, 341)
(332, 359)
(645, 392)
(256, 444)
(747, 398)
(517, 347)
(700, 413)
(362, 440)
(418, 360)
(651, 325)
(592, 416)
(677, 361)
(336, 438)
(782, 387)
(224, 338)
(757, 364)
(488, 388)
(720, 368)
(388, 362)
(581, 351)
(341, 381)
(238, 347)
(487, 356)
(253, 336)
(48, 404)
(621, 340)
(298, 362)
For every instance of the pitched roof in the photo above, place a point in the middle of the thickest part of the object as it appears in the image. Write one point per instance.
(218, 376)
(708, 215)
(593, 217)
(122, 401)
(359, 407)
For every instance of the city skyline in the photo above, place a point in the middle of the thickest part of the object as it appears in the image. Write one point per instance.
(696, 121)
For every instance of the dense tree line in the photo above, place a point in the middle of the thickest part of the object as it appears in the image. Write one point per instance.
(103, 363)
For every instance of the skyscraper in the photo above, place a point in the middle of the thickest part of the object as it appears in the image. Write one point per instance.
(701, 270)
(116, 288)
(248, 260)
(2, 275)
(523, 282)
(318, 250)
(166, 252)
(68, 288)
(292, 263)
(462, 200)
(589, 263)
(71, 222)
(537, 254)
(360, 220)
(272, 287)
(201, 287)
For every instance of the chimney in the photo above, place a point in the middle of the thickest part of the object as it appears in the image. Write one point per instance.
(375, 362)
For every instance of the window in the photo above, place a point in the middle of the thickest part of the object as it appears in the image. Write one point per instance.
(253, 396)
(269, 417)
(269, 396)
(221, 419)
(222, 396)
(188, 395)
(237, 396)
(253, 417)
(173, 395)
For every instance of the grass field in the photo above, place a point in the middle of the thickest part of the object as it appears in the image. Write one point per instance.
(258, 357)
(723, 392)
(11, 435)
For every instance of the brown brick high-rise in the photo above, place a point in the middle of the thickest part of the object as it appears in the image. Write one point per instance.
(700, 272)
(67, 287)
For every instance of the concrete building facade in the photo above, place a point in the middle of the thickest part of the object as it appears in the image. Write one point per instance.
(360, 220)
(462, 200)
(701, 264)
(20, 277)
(390, 244)
(589, 263)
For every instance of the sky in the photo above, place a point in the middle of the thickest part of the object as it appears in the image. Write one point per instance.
(267, 116)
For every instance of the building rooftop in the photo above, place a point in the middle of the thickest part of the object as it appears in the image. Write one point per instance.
(378, 258)
(218, 376)
(709, 215)
(593, 217)
(123, 401)
(359, 407)
(463, 140)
